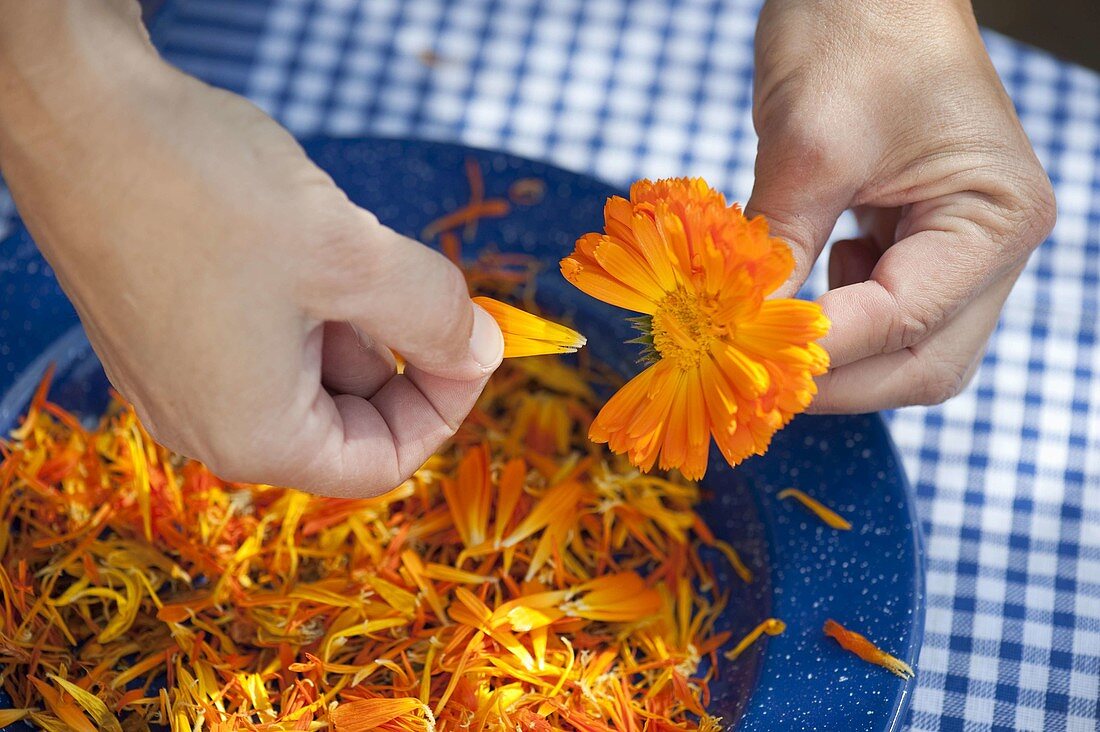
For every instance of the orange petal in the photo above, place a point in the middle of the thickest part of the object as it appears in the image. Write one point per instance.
(771, 626)
(596, 282)
(823, 512)
(747, 375)
(621, 409)
(361, 715)
(868, 651)
(656, 251)
(529, 335)
(618, 598)
(629, 266)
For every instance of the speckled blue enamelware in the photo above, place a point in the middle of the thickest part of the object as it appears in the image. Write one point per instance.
(870, 579)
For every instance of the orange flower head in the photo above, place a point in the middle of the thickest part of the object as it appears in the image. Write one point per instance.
(723, 360)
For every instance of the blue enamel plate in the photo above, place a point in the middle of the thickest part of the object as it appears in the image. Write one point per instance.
(869, 579)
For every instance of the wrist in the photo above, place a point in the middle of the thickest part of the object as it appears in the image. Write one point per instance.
(64, 58)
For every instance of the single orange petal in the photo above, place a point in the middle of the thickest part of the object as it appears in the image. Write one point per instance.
(512, 480)
(628, 265)
(865, 649)
(656, 252)
(771, 626)
(11, 716)
(599, 284)
(748, 376)
(618, 214)
(361, 715)
(795, 319)
(653, 415)
(675, 449)
(735, 560)
(489, 208)
(671, 228)
(473, 495)
(617, 598)
(529, 335)
(558, 501)
(699, 429)
(68, 712)
(823, 512)
(621, 409)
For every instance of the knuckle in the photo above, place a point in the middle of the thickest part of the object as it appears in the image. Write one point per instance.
(445, 323)
(1028, 211)
(342, 241)
(368, 220)
(235, 462)
(941, 381)
(228, 467)
(908, 328)
(455, 294)
(1044, 208)
(909, 323)
(807, 147)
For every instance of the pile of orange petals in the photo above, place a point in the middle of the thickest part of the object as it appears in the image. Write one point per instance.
(522, 579)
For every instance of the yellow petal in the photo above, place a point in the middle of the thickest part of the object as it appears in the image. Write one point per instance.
(823, 512)
(11, 716)
(362, 715)
(771, 626)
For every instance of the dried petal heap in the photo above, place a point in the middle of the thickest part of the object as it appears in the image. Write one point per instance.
(724, 360)
(523, 579)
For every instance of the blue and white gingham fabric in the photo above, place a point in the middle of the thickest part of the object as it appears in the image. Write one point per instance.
(1007, 475)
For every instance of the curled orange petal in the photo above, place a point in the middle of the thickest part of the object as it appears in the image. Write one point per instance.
(855, 643)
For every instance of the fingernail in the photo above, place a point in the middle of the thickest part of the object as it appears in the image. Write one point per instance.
(365, 341)
(486, 342)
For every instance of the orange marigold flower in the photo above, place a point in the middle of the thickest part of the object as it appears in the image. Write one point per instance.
(724, 360)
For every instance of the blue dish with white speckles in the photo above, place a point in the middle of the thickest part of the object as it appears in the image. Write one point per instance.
(870, 579)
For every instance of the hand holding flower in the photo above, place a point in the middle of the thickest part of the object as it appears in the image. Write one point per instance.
(892, 109)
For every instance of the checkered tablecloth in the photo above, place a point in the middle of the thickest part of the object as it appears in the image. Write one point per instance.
(1007, 475)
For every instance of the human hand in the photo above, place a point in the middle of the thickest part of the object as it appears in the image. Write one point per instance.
(893, 109)
(220, 275)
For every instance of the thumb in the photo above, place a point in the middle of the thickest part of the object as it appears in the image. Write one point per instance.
(415, 301)
(798, 190)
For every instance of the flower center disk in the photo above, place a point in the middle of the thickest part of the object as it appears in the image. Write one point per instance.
(684, 328)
